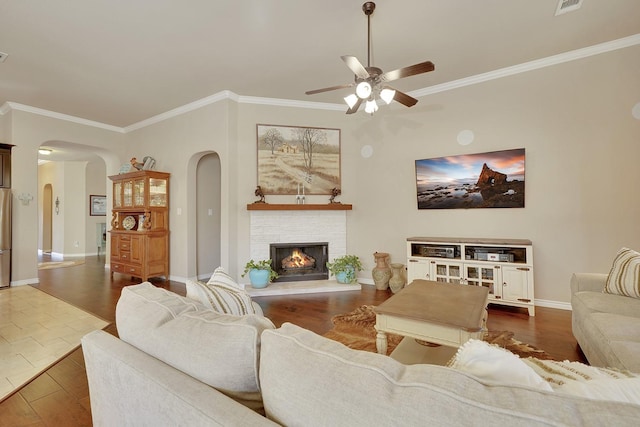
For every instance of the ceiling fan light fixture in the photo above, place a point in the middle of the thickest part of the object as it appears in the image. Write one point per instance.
(351, 100)
(387, 95)
(371, 106)
(363, 90)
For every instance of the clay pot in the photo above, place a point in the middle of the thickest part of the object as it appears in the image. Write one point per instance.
(397, 281)
(381, 273)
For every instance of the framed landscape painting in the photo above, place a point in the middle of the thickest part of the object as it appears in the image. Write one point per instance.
(97, 205)
(293, 159)
(485, 180)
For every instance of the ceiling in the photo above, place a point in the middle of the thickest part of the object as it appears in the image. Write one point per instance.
(119, 62)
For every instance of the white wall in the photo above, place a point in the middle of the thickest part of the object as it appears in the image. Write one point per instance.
(573, 119)
(28, 132)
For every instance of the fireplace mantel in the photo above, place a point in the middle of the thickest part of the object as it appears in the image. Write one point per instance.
(294, 207)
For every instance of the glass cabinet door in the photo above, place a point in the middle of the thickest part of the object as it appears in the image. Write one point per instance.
(127, 194)
(447, 272)
(157, 192)
(138, 192)
(117, 195)
(477, 275)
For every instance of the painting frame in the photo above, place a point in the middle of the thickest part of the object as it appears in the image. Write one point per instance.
(494, 179)
(294, 160)
(97, 205)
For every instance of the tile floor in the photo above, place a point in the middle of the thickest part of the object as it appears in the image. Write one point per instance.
(36, 330)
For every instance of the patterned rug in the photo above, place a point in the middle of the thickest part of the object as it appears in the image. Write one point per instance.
(356, 330)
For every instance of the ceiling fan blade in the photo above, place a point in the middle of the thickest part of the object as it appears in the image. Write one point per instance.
(404, 99)
(327, 89)
(423, 67)
(355, 107)
(355, 66)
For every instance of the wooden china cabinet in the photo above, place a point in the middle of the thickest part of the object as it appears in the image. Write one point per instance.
(140, 224)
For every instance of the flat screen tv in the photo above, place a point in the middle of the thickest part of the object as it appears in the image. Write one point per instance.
(485, 180)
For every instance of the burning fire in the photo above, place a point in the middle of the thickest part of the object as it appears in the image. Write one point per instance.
(298, 259)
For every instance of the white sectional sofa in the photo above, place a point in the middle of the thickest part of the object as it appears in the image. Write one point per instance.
(178, 363)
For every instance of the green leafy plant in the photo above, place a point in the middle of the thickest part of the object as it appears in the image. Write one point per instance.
(347, 264)
(264, 264)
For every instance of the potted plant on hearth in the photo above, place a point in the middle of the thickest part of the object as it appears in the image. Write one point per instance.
(345, 268)
(260, 273)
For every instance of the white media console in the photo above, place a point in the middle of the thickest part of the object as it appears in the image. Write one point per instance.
(505, 266)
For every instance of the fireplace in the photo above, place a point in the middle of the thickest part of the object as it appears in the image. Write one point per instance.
(300, 261)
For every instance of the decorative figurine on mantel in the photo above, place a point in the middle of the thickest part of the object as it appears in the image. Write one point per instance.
(335, 192)
(260, 194)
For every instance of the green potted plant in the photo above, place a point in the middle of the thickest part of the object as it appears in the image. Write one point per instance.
(345, 268)
(260, 273)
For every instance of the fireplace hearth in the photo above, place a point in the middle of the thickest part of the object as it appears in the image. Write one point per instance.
(300, 261)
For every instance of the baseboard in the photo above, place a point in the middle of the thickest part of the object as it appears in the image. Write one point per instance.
(25, 282)
(553, 304)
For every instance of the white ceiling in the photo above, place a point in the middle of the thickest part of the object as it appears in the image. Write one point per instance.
(119, 62)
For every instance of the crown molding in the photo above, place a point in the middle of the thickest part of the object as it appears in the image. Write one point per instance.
(290, 103)
(228, 95)
(5, 108)
(59, 116)
(221, 96)
(211, 99)
(531, 65)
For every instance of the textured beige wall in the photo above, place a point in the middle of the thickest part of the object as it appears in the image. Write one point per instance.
(28, 132)
(573, 119)
(582, 146)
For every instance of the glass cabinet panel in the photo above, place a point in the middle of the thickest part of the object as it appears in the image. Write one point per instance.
(138, 192)
(127, 194)
(481, 276)
(157, 192)
(117, 194)
(448, 273)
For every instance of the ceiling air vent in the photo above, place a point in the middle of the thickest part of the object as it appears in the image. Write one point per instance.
(565, 6)
(3, 56)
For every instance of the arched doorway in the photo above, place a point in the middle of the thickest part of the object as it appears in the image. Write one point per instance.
(208, 210)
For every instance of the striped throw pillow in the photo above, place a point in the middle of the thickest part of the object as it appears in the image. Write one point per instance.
(222, 294)
(624, 278)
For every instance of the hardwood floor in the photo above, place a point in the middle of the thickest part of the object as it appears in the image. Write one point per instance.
(60, 395)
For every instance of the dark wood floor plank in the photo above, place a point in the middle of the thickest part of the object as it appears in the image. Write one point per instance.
(61, 409)
(39, 387)
(15, 411)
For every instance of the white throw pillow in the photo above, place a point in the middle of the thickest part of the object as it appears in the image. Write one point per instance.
(222, 294)
(495, 364)
(624, 277)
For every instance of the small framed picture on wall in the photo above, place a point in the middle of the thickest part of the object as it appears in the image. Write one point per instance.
(97, 205)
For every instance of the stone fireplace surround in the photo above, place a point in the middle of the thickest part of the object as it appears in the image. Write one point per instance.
(294, 226)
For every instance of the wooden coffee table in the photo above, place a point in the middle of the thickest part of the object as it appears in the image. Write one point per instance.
(440, 313)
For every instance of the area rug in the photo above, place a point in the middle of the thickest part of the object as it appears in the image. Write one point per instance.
(36, 331)
(58, 264)
(356, 330)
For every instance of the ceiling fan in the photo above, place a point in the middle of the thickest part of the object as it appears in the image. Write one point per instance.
(371, 82)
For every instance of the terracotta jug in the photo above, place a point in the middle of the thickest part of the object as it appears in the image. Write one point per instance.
(397, 280)
(381, 273)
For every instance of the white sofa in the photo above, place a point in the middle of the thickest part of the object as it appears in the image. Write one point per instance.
(606, 326)
(178, 363)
